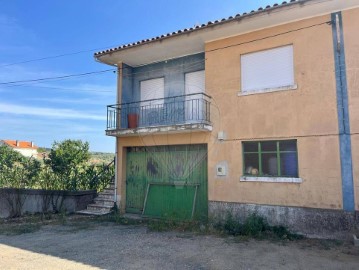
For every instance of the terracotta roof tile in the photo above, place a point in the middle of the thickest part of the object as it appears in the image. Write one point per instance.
(21, 144)
(210, 23)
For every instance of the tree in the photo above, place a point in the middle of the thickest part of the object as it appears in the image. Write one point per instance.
(66, 155)
(67, 160)
(9, 157)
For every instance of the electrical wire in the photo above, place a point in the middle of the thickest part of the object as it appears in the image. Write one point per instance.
(271, 36)
(54, 56)
(194, 64)
(59, 77)
(132, 74)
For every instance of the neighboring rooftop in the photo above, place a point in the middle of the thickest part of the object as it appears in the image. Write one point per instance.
(20, 144)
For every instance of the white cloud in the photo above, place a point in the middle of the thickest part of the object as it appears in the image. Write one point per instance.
(48, 112)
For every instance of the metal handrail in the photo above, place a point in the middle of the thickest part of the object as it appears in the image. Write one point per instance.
(171, 110)
(155, 99)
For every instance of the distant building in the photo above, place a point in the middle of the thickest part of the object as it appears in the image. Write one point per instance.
(27, 149)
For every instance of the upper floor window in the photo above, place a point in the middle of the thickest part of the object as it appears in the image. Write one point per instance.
(152, 92)
(267, 70)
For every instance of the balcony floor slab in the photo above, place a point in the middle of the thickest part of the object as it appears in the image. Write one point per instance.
(192, 127)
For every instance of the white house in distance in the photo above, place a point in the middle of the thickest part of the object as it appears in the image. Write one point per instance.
(27, 149)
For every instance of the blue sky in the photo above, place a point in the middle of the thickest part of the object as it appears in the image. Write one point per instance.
(76, 108)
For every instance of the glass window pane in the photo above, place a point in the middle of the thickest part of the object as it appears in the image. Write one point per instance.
(250, 147)
(288, 145)
(289, 164)
(251, 164)
(269, 146)
(269, 164)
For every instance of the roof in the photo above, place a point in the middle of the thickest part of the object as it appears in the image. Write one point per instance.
(190, 41)
(195, 28)
(21, 144)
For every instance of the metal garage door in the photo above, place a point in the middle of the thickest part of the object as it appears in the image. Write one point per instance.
(167, 181)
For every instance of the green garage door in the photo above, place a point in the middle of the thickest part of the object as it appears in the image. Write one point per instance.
(167, 181)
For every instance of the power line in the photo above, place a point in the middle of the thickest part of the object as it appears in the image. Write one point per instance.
(271, 36)
(54, 56)
(61, 88)
(132, 74)
(59, 77)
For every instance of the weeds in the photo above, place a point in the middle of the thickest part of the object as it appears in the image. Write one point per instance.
(255, 226)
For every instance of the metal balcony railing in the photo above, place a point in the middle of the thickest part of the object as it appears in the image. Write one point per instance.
(184, 109)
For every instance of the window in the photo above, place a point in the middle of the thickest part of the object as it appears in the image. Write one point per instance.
(267, 70)
(270, 159)
(152, 89)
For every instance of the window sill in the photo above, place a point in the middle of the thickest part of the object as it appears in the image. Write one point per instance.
(270, 179)
(268, 90)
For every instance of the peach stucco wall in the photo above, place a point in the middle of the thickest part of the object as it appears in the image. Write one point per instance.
(308, 114)
(351, 42)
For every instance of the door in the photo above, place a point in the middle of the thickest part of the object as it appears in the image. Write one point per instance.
(194, 84)
(167, 181)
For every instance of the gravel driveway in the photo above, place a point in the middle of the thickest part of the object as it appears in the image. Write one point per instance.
(105, 245)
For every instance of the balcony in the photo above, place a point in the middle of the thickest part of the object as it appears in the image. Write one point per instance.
(185, 113)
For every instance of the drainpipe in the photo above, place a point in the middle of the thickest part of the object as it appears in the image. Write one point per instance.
(116, 174)
(118, 97)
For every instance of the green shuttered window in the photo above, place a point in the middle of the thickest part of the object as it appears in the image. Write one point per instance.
(270, 158)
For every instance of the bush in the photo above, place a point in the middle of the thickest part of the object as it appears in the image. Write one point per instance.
(66, 168)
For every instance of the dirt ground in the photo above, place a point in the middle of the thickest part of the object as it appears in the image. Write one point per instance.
(85, 244)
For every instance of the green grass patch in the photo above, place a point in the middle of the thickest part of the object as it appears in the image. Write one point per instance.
(17, 229)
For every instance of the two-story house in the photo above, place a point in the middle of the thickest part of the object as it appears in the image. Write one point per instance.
(257, 112)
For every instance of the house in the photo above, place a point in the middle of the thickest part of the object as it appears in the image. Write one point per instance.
(257, 112)
(27, 149)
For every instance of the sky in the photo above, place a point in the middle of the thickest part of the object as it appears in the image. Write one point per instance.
(75, 107)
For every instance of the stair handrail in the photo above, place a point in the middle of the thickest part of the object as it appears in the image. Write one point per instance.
(104, 169)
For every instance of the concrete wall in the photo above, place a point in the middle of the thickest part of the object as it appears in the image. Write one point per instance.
(37, 201)
(26, 152)
(308, 221)
(351, 41)
(173, 72)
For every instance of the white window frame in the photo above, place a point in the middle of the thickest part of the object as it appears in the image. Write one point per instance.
(161, 80)
(255, 57)
(194, 112)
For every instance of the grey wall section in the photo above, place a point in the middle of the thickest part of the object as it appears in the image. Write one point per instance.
(172, 70)
(308, 221)
(36, 201)
(127, 93)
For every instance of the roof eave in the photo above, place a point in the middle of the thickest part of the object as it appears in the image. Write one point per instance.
(192, 41)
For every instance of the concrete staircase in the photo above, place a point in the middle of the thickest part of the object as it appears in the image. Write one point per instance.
(102, 204)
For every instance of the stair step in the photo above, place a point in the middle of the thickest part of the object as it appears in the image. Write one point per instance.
(108, 190)
(101, 208)
(100, 201)
(102, 196)
(94, 213)
(111, 186)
